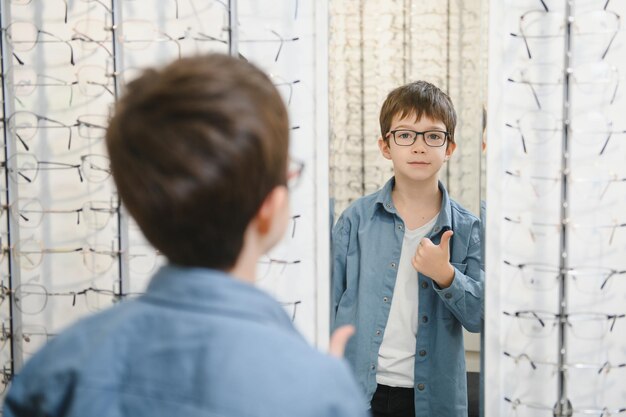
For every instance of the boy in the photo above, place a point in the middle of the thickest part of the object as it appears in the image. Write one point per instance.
(406, 267)
(199, 156)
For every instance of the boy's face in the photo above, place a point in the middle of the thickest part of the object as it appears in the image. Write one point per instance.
(419, 161)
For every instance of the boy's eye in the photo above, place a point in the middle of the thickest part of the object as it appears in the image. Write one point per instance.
(404, 135)
(435, 136)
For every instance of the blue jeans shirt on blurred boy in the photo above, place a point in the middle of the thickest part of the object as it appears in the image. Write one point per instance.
(198, 343)
(367, 242)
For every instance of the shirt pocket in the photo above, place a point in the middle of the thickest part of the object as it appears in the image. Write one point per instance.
(459, 266)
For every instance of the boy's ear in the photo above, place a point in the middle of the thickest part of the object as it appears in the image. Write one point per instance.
(383, 145)
(270, 216)
(450, 149)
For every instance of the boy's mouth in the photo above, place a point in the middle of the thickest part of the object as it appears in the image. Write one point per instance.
(419, 163)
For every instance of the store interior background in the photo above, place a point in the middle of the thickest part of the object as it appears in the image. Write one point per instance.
(69, 249)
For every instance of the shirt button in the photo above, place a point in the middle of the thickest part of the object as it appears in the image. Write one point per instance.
(421, 387)
(377, 332)
(373, 366)
(393, 264)
(385, 299)
(400, 227)
(422, 353)
(448, 295)
(424, 319)
(388, 205)
(437, 229)
(424, 284)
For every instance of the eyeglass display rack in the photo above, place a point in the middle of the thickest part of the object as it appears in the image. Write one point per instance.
(68, 247)
(555, 288)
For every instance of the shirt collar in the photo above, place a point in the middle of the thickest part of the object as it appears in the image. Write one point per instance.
(444, 220)
(215, 291)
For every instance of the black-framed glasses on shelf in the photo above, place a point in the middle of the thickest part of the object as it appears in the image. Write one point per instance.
(24, 36)
(544, 25)
(589, 78)
(588, 279)
(432, 138)
(30, 212)
(24, 168)
(604, 368)
(537, 323)
(25, 125)
(291, 308)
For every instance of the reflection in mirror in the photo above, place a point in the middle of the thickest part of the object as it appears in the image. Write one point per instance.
(378, 45)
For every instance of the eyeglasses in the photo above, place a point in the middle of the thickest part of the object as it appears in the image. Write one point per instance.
(271, 267)
(274, 37)
(23, 81)
(23, 36)
(591, 79)
(134, 34)
(32, 298)
(591, 129)
(540, 24)
(605, 368)
(281, 84)
(23, 168)
(432, 138)
(290, 308)
(31, 337)
(588, 188)
(535, 323)
(29, 212)
(543, 277)
(604, 412)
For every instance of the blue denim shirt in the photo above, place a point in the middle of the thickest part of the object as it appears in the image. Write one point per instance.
(367, 241)
(198, 343)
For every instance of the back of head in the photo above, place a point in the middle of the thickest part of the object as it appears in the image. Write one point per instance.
(195, 148)
(418, 98)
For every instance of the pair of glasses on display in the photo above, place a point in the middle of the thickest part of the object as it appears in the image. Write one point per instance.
(591, 130)
(269, 37)
(536, 323)
(603, 368)
(291, 308)
(22, 36)
(25, 125)
(29, 254)
(91, 80)
(24, 168)
(588, 279)
(536, 27)
(32, 299)
(522, 408)
(432, 138)
(595, 79)
(594, 189)
(31, 337)
(30, 212)
(273, 268)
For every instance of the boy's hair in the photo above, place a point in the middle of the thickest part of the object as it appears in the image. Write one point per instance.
(195, 148)
(418, 98)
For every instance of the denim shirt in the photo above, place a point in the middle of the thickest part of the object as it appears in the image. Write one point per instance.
(198, 343)
(366, 245)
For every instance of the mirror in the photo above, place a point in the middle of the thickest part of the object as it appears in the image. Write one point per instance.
(376, 46)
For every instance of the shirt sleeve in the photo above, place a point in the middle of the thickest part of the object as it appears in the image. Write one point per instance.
(464, 297)
(340, 238)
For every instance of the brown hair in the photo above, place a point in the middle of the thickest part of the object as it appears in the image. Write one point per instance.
(418, 98)
(195, 148)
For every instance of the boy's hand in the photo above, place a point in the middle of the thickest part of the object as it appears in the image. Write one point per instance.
(339, 339)
(434, 260)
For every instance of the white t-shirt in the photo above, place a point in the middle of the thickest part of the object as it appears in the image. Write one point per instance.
(396, 356)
